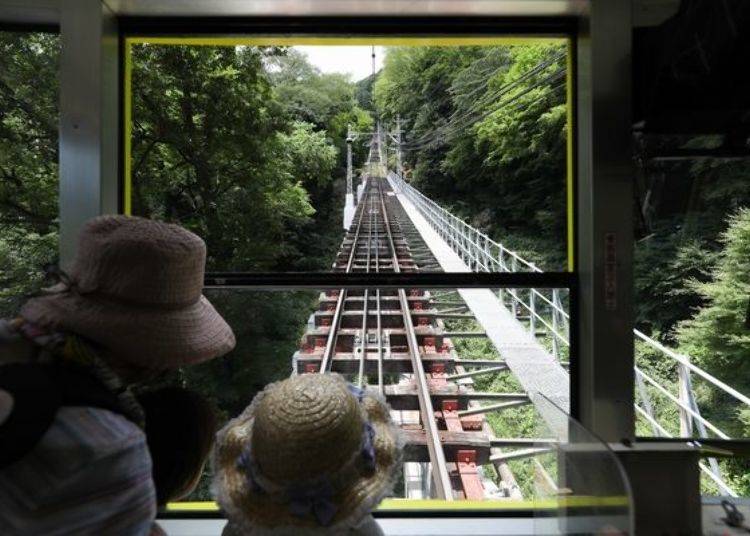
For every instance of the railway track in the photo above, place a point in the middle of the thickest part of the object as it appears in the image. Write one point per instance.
(394, 341)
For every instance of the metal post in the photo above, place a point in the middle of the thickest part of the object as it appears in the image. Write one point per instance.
(350, 200)
(89, 140)
(514, 292)
(501, 268)
(646, 401)
(380, 144)
(686, 420)
(532, 313)
(712, 462)
(555, 342)
(604, 241)
(349, 172)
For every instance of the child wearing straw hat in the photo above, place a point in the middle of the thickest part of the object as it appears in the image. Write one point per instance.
(74, 457)
(311, 455)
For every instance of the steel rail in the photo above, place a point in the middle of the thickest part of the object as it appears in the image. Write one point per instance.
(440, 476)
(381, 387)
(366, 301)
(325, 364)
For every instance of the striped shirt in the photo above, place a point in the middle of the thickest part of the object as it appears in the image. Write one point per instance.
(90, 473)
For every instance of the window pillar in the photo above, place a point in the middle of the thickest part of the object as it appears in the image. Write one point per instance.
(605, 230)
(89, 145)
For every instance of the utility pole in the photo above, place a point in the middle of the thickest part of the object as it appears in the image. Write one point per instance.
(349, 171)
(399, 165)
(380, 142)
(349, 199)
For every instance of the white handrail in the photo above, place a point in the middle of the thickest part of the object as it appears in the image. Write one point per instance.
(683, 360)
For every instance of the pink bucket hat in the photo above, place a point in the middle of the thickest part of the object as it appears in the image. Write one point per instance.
(136, 288)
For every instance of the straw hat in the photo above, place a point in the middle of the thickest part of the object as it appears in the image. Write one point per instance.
(310, 452)
(135, 288)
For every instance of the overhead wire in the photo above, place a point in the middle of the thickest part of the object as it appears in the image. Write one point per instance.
(446, 132)
(465, 118)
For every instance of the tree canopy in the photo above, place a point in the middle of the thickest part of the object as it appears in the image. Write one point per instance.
(486, 131)
(28, 162)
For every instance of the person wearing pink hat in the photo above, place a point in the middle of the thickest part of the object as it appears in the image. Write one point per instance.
(74, 457)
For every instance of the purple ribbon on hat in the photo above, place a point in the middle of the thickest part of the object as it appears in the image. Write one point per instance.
(368, 446)
(368, 432)
(358, 392)
(317, 501)
(246, 464)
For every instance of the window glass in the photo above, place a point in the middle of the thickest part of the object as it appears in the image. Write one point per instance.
(246, 144)
(28, 163)
(300, 158)
(482, 384)
(692, 287)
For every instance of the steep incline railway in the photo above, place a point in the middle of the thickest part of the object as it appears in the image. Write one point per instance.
(395, 341)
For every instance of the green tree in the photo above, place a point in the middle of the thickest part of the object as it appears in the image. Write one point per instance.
(205, 144)
(486, 137)
(237, 144)
(718, 339)
(28, 162)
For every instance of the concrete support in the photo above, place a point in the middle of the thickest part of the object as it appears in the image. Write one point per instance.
(89, 140)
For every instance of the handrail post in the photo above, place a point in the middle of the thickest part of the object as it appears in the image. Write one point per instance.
(532, 313)
(555, 342)
(514, 292)
(686, 420)
(501, 268)
(646, 400)
(487, 257)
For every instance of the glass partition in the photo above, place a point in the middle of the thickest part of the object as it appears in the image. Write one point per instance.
(578, 483)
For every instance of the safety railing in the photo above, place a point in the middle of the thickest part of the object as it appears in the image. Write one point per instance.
(545, 308)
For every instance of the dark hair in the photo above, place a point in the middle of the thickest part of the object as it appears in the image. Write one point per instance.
(180, 430)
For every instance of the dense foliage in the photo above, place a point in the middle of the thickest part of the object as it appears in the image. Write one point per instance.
(28, 163)
(244, 146)
(485, 136)
(691, 269)
(241, 145)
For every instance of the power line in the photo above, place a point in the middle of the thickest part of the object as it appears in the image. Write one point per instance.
(453, 120)
(455, 126)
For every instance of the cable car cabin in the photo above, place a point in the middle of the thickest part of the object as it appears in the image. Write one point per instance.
(522, 225)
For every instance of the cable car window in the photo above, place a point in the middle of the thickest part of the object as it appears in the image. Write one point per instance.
(484, 402)
(247, 142)
(372, 156)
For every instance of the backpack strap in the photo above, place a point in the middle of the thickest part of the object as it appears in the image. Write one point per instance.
(38, 391)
